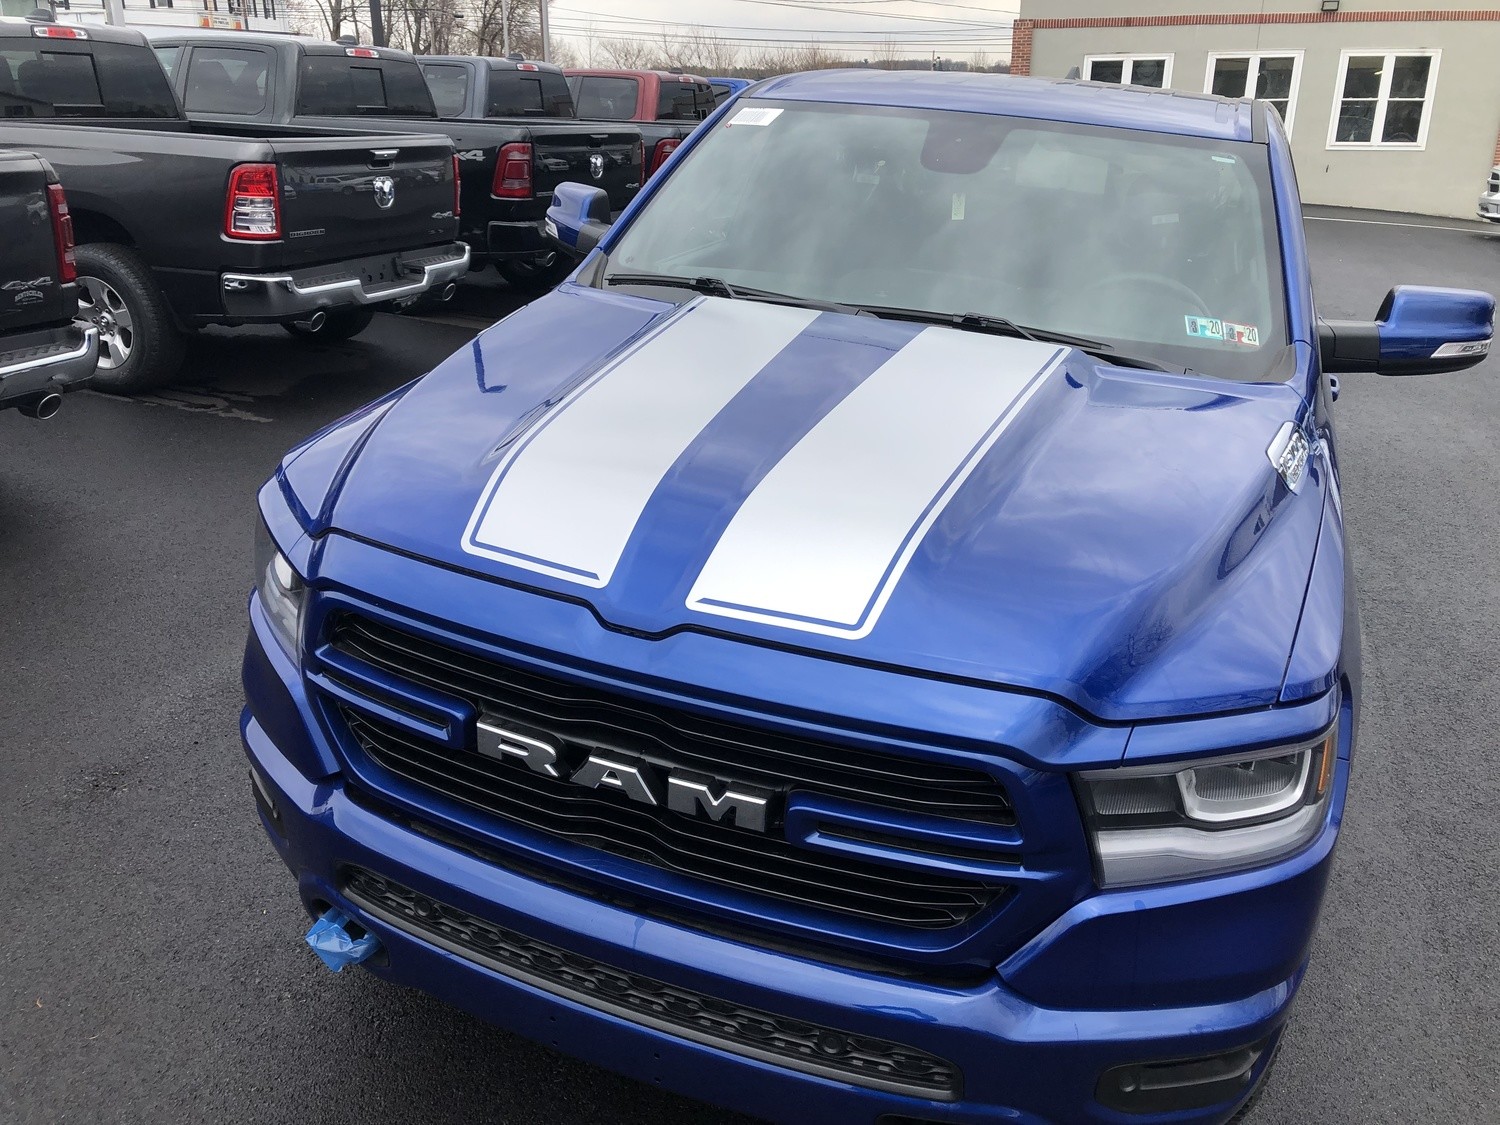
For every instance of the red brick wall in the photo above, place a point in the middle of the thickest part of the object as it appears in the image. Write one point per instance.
(1211, 19)
(1020, 47)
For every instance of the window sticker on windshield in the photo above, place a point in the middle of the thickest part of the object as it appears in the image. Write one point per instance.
(1247, 334)
(1205, 327)
(958, 204)
(749, 116)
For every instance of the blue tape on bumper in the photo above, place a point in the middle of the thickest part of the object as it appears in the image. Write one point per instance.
(331, 940)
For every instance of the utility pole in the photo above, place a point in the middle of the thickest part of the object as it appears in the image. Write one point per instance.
(546, 37)
(505, 30)
(377, 25)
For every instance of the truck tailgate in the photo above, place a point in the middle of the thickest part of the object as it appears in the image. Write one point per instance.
(566, 151)
(30, 290)
(350, 197)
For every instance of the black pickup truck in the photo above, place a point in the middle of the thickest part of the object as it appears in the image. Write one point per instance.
(665, 105)
(182, 224)
(535, 94)
(42, 351)
(509, 166)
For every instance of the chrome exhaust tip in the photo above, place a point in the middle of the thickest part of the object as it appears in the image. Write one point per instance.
(448, 291)
(313, 323)
(42, 407)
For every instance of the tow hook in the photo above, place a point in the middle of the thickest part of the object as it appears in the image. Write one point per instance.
(340, 941)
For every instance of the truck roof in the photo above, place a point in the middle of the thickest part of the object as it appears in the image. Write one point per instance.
(607, 71)
(1050, 99)
(496, 62)
(100, 33)
(310, 44)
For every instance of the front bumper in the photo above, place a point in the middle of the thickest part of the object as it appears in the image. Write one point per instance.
(1019, 1061)
(1489, 206)
(379, 279)
(48, 361)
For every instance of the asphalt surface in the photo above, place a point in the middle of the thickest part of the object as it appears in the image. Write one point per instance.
(152, 966)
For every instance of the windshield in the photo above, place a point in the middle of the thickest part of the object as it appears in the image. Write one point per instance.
(1161, 247)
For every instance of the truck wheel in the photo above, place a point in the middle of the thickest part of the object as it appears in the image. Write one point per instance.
(338, 325)
(540, 272)
(139, 344)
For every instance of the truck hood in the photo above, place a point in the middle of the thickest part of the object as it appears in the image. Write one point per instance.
(919, 498)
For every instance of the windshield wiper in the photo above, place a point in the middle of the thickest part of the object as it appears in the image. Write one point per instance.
(718, 287)
(999, 326)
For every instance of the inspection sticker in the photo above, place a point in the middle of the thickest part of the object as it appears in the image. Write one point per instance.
(751, 116)
(1205, 327)
(1247, 334)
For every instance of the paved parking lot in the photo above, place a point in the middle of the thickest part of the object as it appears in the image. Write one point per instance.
(153, 969)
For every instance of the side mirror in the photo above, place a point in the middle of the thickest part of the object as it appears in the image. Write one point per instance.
(578, 217)
(1419, 330)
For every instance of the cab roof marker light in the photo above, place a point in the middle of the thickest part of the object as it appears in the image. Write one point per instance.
(1288, 454)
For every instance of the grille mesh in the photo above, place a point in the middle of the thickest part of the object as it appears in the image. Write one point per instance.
(797, 1044)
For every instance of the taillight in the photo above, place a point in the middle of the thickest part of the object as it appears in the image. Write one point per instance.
(62, 234)
(253, 209)
(457, 205)
(513, 172)
(663, 150)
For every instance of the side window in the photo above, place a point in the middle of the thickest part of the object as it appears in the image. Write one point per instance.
(227, 80)
(1129, 70)
(449, 84)
(1271, 77)
(1383, 100)
(677, 101)
(605, 99)
(168, 57)
(721, 94)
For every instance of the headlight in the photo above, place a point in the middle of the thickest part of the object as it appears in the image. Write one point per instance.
(281, 589)
(1151, 824)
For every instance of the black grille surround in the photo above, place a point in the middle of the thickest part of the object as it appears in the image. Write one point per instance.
(796, 1044)
(745, 862)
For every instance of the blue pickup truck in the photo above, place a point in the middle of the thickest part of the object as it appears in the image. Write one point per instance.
(877, 643)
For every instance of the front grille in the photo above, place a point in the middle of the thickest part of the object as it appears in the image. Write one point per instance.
(742, 861)
(730, 857)
(808, 1047)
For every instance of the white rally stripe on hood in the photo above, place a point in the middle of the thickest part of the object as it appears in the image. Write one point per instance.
(565, 497)
(822, 541)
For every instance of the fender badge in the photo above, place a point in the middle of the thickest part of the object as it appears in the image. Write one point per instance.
(1288, 454)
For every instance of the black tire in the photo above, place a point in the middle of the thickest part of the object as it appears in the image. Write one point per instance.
(140, 346)
(535, 274)
(340, 325)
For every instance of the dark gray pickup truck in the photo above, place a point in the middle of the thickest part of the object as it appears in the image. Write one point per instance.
(42, 351)
(182, 224)
(509, 163)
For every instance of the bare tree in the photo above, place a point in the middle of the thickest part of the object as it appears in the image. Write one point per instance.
(628, 54)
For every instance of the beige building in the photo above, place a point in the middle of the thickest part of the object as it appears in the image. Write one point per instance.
(1387, 108)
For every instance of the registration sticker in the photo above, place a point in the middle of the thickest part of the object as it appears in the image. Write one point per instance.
(1247, 334)
(1205, 327)
(754, 116)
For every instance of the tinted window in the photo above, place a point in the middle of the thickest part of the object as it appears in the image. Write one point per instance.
(343, 86)
(541, 93)
(449, 84)
(721, 93)
(227, 80)
(168, 57)
(684, 101)
(604, 99)
(103, 80)
(1163, 246)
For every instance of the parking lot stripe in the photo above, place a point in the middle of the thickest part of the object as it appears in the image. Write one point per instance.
(1475, 229)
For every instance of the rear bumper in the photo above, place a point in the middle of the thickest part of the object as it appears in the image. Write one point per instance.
(251, 297)
(1019, 1061)
(48, 361)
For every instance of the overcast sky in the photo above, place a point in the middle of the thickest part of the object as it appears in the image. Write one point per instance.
(858, 28)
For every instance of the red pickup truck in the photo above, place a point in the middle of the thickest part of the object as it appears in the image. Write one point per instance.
(665, 106)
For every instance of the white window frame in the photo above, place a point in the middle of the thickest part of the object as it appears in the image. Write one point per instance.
(1254, 58)
(1130, 60)
(1383, 97)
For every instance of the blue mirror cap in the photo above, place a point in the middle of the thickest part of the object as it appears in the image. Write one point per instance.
(1426, 322)
(573, 206)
